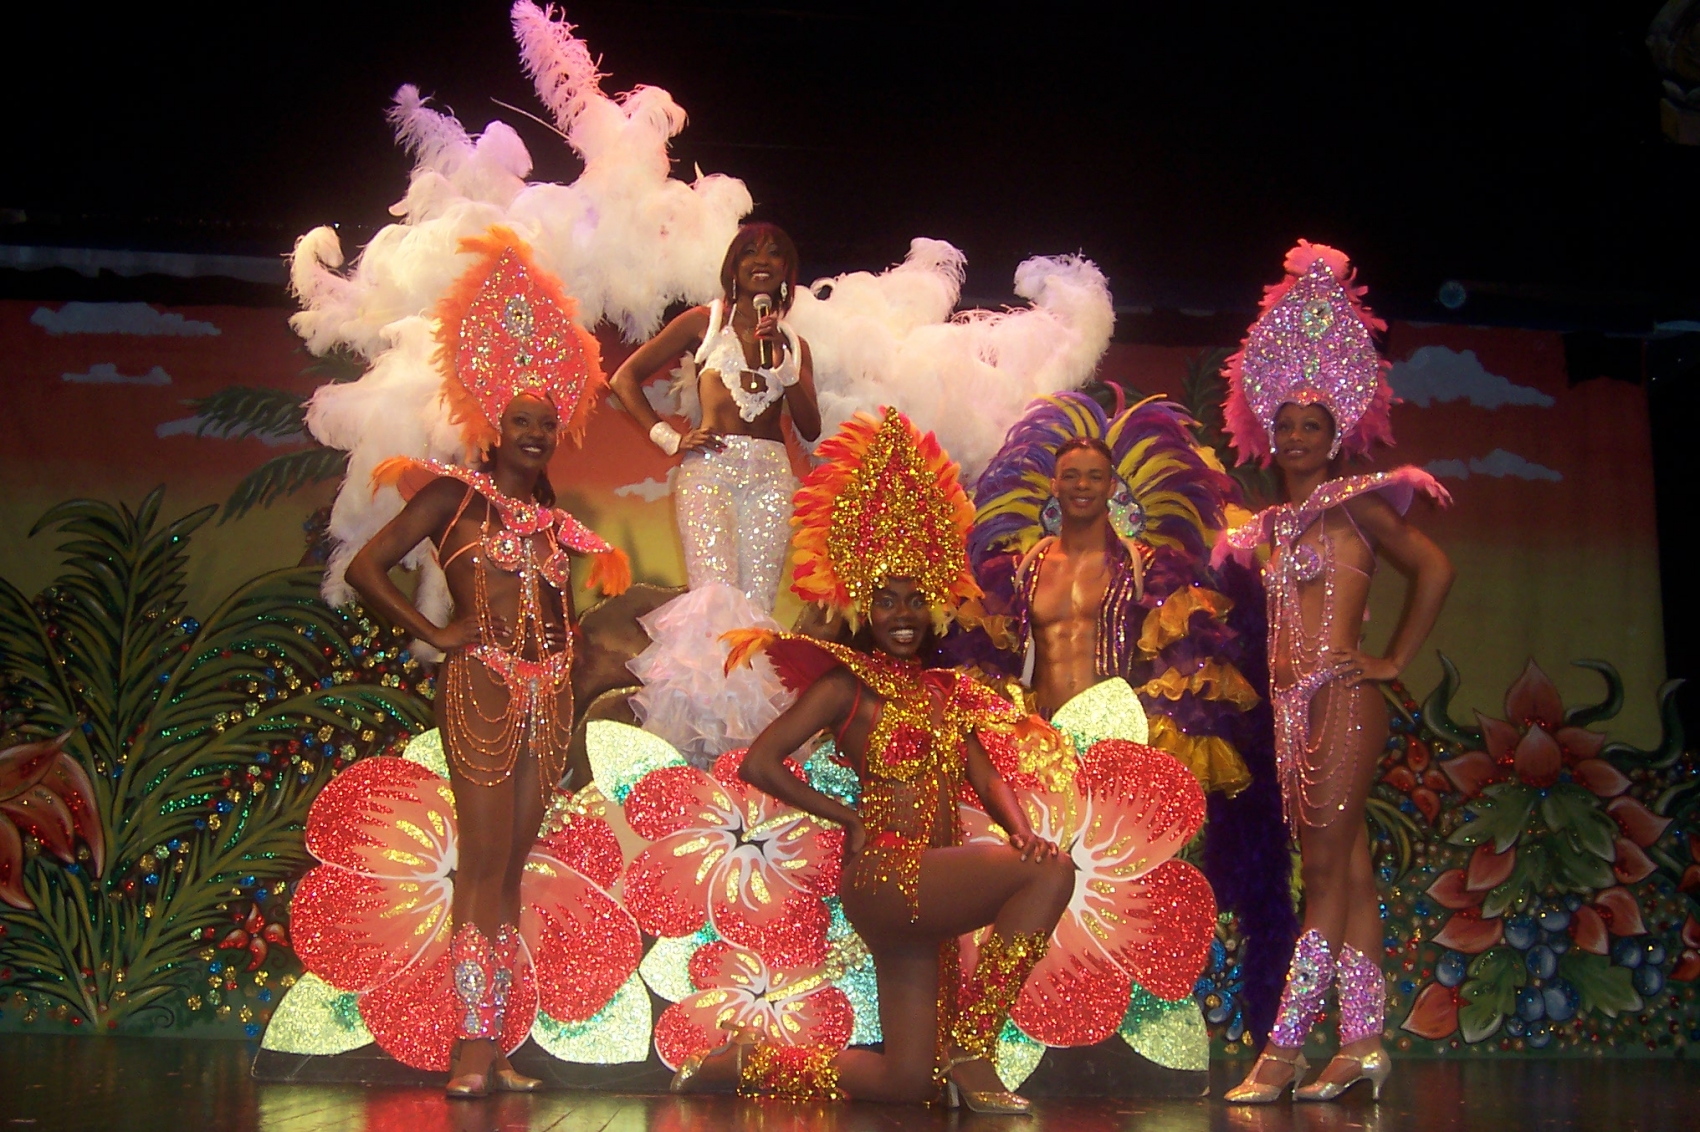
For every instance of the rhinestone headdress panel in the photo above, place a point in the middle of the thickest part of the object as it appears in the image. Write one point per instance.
(506, 328)
(1313, 344)
(885, 503)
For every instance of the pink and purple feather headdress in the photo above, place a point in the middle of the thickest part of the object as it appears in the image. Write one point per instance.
(1312, 344)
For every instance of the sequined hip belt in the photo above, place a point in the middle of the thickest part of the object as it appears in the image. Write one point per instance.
(485, 745)
(889, 856)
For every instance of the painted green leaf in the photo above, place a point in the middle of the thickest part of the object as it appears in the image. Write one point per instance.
(1576, 811)
(1479, 1020)
(1499, 818)
(1602, 986)
(1508, 894)
(1499, 967)
(1579, 870)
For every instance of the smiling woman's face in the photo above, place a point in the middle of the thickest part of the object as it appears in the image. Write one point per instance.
(898, 618)
(1303, 436)
(530, 428)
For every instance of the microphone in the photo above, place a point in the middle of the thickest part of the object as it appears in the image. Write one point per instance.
(764, 307)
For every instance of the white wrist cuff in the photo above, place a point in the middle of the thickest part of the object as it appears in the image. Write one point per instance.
(665, 437)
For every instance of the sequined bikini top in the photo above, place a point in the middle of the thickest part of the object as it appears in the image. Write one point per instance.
(723, 352)
(1282, 525)
(509, 549)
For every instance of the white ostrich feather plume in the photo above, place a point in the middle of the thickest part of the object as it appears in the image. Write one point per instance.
(627, 240)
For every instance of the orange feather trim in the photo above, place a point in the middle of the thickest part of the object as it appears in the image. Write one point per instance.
(610, 572)
(744, 644)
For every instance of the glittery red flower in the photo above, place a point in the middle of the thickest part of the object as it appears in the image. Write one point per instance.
(724, 853)
(736, 988)
(1137, 916)
(374, 916)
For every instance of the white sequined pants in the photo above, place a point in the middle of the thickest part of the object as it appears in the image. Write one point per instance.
(734, 512)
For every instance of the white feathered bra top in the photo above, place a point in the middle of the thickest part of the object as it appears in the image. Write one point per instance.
(723, 352)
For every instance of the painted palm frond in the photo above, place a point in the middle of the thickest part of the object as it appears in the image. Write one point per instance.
(178, 725)
(239, 411)
(283, 476)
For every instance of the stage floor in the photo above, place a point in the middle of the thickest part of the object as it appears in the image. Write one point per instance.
(142, 1085)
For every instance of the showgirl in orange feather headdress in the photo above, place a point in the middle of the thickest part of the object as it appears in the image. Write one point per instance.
(516, 372)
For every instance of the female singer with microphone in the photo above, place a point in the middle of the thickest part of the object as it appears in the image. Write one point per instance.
(734, 489)
(732, 492)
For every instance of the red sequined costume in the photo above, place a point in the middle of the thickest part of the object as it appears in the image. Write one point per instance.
(885, 503)
(912, 776)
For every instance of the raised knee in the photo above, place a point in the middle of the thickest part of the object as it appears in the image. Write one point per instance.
(1056, 878)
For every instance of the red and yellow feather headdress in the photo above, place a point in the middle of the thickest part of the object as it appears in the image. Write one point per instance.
(885, 503)
(506, 328)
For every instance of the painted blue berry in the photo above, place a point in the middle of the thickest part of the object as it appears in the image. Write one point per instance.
(1450, 970)
(1561, 1000)
(1521, 933)
(1628, 953)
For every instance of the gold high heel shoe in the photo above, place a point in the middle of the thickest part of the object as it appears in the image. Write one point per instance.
(467, 1084)
(1253, 1091)
(989, 1102)
(1374, 1068)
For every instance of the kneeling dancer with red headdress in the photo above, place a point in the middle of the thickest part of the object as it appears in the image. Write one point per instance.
(881, 529)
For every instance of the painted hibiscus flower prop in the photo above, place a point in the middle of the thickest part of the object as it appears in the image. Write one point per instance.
(374, 916)
(737, 989)
(1138, 916)
(1545, 810)
(723, 854)
(45, 793)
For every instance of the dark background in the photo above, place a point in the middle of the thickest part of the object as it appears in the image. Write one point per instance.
(1514, 147)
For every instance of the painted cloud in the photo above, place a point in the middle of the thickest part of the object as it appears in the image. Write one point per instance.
(1436, 375)
(106, 373)
(119, 318)
(1499, 463)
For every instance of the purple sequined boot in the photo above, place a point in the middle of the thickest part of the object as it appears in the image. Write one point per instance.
(1363, 1010)
(1363, 996)
(1308, 976)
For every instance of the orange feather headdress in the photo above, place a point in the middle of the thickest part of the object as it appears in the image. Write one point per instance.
(505, 328)
(885, 503)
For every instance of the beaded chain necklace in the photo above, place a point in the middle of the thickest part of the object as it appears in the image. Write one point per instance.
(1310, 782)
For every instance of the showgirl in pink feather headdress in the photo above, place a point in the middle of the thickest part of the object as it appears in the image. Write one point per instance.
(1312, 344)
(1311, 355)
